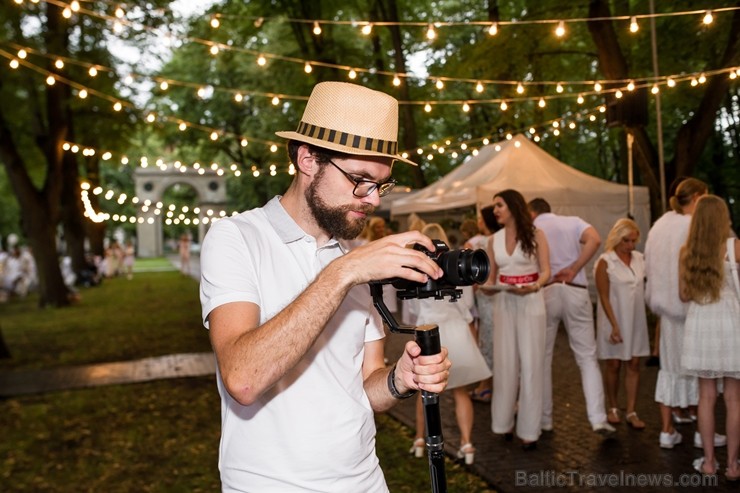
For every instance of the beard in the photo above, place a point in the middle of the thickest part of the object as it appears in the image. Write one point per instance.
(334, 220)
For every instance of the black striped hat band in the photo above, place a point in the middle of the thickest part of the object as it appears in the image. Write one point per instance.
(348, 140)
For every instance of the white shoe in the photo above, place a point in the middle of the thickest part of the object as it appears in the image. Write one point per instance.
(417, 448)
(604, 429)
(669, 440)
(467, 452)
(546, 427)
(719, 440)
(679, 419)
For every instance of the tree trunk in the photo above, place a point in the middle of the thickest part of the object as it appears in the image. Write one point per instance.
(693, 136)
(4, 350)
(410, 139)
(72, 217)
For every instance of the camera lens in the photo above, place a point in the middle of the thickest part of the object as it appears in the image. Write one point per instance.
(464, 267)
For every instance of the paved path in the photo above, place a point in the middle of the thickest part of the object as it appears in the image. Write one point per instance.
(572, 457)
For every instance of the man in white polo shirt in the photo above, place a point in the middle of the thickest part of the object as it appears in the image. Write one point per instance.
(299, 345)
(573, 242)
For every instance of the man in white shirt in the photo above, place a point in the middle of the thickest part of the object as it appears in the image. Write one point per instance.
(573, 242)
(299, 345)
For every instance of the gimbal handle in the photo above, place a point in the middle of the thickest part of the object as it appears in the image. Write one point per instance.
(427, 337)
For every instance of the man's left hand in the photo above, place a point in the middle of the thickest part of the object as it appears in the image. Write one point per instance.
(429, 373)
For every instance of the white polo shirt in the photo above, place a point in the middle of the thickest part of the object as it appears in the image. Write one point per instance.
(563, 235)
(314, 430)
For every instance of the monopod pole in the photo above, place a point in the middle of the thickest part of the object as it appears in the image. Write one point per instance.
(427, 337)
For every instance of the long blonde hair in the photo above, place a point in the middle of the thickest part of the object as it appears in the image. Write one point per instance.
(702, 256)
(621, 228)
(435, 231)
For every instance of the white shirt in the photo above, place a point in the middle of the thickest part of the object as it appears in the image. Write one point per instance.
(662, 250)
(314, 430)
(563, 235)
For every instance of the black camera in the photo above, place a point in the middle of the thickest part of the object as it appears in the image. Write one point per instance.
(462, 267)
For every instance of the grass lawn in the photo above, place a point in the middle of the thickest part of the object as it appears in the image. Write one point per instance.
(150, 437)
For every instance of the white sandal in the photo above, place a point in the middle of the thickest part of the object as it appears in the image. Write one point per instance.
(417, 448)
(467, 452)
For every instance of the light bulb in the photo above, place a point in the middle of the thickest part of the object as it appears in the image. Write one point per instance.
(631, 86)
(439, 84)
(466, 107)
(504, 106)
(215, 22)
(597, 87)
(427, 107)
(520, 89)
(164, 85)
(59, 64)
(618, 94)
(82, 94)
(671, 83)
(316, 28)
(559, 88)
(307, 68)
(367, 29)
(493, 30)
(214, 50)
(396, 81)
(655, 89)
(93, 71)
(261, 61)
(708, 18)
(431, 33)
(275, 100)
(560, 30)
(352, 74)
(634, 27)
(238, 97)
(580, 99)
(479, 87)
(117, 106)
(541, 103)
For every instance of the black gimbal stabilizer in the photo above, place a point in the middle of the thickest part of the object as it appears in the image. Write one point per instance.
(461, 268)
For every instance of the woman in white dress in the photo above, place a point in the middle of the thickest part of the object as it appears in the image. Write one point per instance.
(520, 266)
(468, 366)
(621, 321)
(484, 302)
(711, 348)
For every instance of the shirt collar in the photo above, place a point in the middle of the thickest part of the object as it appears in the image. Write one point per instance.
(286, 228)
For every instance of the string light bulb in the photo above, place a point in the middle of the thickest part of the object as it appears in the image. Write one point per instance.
(504, 106)
(559, 88)
(119, 12)
(520, 88)
(493, 29)
(560, 30)
(396, 81)
(367, 29)
(702, 78)
(439, 85)
(22, 54)
(655, 89)
(352, 74)
(597, 86)
(307, 68)
(580, 99)
(431, 33)
(541, 103)
(634, 27)
(618, 94)
(275, 100)
(117, 106)
(316, 28)
(93, 71)
(182, 126)
(479, 87)
(75, 6)
(261, 61)
(427, 107)
(59, 64)
(238, 97)
(67, 13)
(708, 17)
(670, 82)
(82, 94)
(631, 86)
(466, 107)
(164, 85)
(14, 64)
(50, 80)
(215, 23)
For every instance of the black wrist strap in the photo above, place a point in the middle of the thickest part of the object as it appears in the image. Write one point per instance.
(392, 386)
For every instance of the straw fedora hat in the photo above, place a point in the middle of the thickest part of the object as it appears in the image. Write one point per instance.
(349, 118)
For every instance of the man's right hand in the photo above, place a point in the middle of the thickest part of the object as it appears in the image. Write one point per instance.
(391, 256)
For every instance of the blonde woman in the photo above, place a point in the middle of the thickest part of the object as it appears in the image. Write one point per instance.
(621, 321)
(468, 365)
(711, 347)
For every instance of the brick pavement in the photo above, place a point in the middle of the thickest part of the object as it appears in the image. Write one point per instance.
(573, 453)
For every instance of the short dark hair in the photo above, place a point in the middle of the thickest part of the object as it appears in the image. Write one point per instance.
(539, 206)
(323, 156)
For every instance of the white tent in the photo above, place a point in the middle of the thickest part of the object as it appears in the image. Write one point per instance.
(520, 164)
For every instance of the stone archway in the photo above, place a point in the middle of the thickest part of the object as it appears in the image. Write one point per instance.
(151, 183)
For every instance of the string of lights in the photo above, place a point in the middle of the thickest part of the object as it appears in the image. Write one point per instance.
(215, 47)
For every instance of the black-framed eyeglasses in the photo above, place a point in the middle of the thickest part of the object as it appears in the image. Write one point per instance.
(364, 187)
